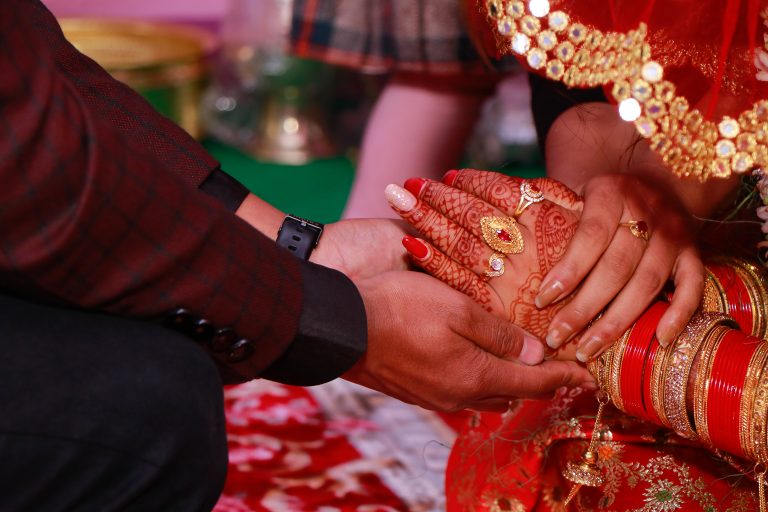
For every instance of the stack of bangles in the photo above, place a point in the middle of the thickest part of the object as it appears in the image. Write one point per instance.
(711, 383)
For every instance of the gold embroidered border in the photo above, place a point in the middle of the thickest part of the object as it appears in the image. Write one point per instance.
(583, 56)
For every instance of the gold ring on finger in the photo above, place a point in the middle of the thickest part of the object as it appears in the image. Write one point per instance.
(529, 194)
(502, 234)
(638, 228)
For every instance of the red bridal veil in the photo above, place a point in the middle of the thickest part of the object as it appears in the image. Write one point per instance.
(691, 75)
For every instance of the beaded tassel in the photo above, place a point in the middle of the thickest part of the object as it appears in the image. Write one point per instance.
(586, 471)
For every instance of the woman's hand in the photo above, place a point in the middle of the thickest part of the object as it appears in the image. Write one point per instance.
(450, 218)
(591, 149)
(607, 268)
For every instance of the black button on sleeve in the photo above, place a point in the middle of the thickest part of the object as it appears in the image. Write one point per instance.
(180, 320)
(222, 341)
(203, 330)
(240, 351)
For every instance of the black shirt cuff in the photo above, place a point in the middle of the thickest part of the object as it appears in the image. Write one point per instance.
(332, 334)
(220, 185)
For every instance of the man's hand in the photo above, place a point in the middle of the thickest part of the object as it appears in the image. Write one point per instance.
(433, 346)
(358, 247)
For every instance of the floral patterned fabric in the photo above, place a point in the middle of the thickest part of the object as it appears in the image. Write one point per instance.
(331, 448)
(513, 462)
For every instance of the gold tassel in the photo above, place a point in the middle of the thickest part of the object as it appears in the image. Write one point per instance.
(760, 471)
(586, 471)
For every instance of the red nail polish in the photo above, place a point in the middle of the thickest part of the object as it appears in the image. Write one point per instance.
(415, 185)
(416, 247)
(450, 177)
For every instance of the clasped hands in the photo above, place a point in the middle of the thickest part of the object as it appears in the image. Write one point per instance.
(439, 348)
(575, 265)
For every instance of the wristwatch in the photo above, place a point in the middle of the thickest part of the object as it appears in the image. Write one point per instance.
(300, 236)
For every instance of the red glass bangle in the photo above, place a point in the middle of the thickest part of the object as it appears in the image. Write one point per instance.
(648, 410)
(635, 359)
(736, 294)
(726, 387)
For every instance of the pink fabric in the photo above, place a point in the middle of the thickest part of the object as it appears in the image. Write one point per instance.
(210, 10)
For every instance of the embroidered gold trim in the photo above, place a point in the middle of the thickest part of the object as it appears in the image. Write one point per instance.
(583, 56)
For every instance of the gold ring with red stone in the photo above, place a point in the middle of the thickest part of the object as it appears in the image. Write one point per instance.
(638, 228)
(502, 234)
(529, 194)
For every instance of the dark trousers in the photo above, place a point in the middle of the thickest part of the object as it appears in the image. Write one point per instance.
(101, 413)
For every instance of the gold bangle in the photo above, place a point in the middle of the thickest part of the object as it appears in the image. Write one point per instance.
(657, 383)
(701, 385)
(713, 299)
(679, 363)
(747, 406)
(757, 284)
(614, 384)
(754, 300)
(760, 417)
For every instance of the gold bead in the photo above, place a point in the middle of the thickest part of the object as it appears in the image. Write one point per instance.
(577, 33)
(555, 69)
(728, 128)
(558, 21)
(546, 39)
(565, 51)
(516, 9)
(530, 25)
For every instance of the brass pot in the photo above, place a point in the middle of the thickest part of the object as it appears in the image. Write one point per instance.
(165, 63)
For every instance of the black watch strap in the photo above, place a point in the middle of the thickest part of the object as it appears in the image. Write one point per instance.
(300, 236)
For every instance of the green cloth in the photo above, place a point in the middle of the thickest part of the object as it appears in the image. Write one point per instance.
(317, 191)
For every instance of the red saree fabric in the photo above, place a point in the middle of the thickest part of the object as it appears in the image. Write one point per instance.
(513, 462)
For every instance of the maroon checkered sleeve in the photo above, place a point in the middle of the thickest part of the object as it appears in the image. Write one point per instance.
(97, 211)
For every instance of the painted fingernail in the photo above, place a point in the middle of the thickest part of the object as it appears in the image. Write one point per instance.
(589, 385)
(532, 352)
(415, 247)
(666, 334)
(548, 293)
(415, 185)
(558, 334)
(588, 349)
(665, 339)
(399, 198)
(450, 177)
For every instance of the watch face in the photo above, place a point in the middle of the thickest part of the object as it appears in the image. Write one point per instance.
(299, 236)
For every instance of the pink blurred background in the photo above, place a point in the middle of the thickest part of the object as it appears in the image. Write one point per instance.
(187, 10)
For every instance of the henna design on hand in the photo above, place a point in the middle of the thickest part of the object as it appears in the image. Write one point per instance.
(460, 278)
(553, 232)
(552, 225)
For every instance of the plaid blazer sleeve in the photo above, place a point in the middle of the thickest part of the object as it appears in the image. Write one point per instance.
(97, 211)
